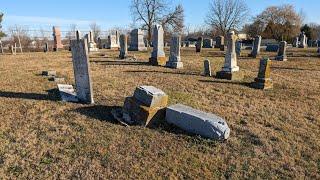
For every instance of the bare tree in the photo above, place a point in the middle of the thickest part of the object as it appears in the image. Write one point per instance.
(1, 33)
(72, 32)
(226, 15)
(96, 29)
(20, 35)
(150, 12)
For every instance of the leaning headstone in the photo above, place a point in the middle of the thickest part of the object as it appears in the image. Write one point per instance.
(123, 46)
(282, 55)
(230, 69)
(263, 81)
(46, 47)
(296, 42)
(175, 59)
(238, 48)
(146, 107)
(207, 43)
(272, 48)
(199, 44)
(207, 68)
(219, 42)
(67, 93)
(137, 42)
(81, 66)
(158, 57)
(303, 40)
(197, 122)
(57, 44)
(256, 47)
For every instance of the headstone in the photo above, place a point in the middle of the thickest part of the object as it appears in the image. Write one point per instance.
(207, 43)
(99, 43)
(15, 48)
(92, 46)
(272, 48)
(219, 42)
(67, 93)
(57, 44)
(158, 57)
(1, 47)
(230, 69)
(256, 47)
(113, 42)
(81, 66)
(282, 55)
(117, 38)
(296, 42)
(199, 44)
(49, 73)
(263, 81)
(197, 122)
(207, 68)
(46, 47)
(146, 107)
(238, 48)
(175, 59)
(137, 42)
(57, 79)
(303, 40)
(318, 43)
(123, 46)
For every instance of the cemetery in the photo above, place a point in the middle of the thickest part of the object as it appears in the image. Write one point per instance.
(120, 107)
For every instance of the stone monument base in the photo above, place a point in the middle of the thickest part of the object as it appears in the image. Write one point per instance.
(230, 75)
(281, 58)
(262, 83)
(159, 61)
(175, 65)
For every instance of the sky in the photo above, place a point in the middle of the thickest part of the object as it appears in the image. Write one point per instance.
(35, 14)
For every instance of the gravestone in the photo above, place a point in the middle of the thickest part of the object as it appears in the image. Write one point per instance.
(57, 44)
(137, 42)
(230, 70)
(1, 47)
(197, 122)
(318, 43)
(175, 59)
(238, 48)
(263, 81)
(219, 42)
(199, 44)
(207, 68)
(123, 46)
(272, 48)
(256, 47)
(207, 43)
(67, 93)
(81, 66)
(99, 43)
(15, 48)
(146, 107)
(46, 47)
(158, 57)
(112, 42)
(296, 42)
(92, 46)
(303, 40)
(282, 55)
(118, 38)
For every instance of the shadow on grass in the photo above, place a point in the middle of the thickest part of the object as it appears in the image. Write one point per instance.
(167, 72)
(99, 112)
(124, 63)
(247, 84)
(53, 95)
(294, 69)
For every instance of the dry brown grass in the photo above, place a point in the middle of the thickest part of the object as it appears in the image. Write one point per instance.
(274, 134)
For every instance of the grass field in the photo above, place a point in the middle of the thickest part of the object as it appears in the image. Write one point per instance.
(274, 134)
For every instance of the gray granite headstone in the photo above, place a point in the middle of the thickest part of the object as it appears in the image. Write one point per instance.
(137, 42)
(197, 122)
(272, 48)
(175, 59)
(303, 40)
(256, 47)
(219, 42)
(1, 47)
(207, 68)
(238, 48)
(207, 43)
(46, 47)
(199, 44)
(81, 66)
(123, 46)
(282, 56)
(295, 42)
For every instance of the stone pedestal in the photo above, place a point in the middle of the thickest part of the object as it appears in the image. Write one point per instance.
(263, 81)
(175, 58)
(158, 57)
(282, 55)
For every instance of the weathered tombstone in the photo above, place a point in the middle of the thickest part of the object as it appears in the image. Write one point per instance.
(219, 42)
(117, 38)
(207, 68)
(123, 46)
(263, 81)
(175, 59)
(158, 57)
(188, 44)
(1, 47)
(296, 42)
(197, 122)
(137, 42)
(303, 40)
(46, 47)
(199, 44)
(238, 48)
(81, 66)
(207, 43)
(256, 47)
(318, 43)
(112, 42)
(282, 55)
(230, 69)
(57, 44)
(92, 46)
(99, 43)
(272, 48)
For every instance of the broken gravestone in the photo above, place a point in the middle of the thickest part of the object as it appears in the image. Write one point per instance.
(67, 93)
(197, 122)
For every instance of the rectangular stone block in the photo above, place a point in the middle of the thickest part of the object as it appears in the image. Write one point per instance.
(197, 122)
(67, 93)
(151, 96)
(49, 73)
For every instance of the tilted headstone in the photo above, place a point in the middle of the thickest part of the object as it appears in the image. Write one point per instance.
(197, 122)
(123, 46)
(46, 47)
(175, 59)
(81, 66)
(238, 48)
(207, 68)
(282, 55)
(207, 43)
(263, 81)
(137, 42)
(199, 44)
(303, 40)
(296, 42)
(57, 44)
(256, 47)
(219, 42)
(158, 57)
(230, 69)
